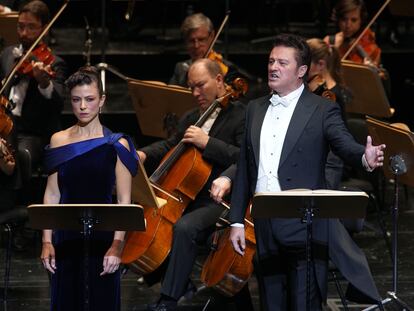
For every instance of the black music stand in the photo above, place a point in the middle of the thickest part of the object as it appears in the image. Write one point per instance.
(400, 155)
(307, 204)
(85, 218)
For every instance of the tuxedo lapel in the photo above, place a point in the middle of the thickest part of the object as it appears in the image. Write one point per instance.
(257, 123)
(303, 112)
(8, 64)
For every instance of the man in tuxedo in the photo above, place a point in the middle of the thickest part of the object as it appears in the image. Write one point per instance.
(36, 97)
(218, 139)
(286, 141)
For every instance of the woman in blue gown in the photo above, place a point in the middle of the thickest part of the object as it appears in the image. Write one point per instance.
(85, 163)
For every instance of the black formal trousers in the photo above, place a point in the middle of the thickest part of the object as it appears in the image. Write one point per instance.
(191, 230)
(199, 219)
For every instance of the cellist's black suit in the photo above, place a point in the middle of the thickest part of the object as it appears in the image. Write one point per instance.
(201, 215)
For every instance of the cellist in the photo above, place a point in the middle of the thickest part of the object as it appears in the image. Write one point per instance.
(218, 140)
(36, 96)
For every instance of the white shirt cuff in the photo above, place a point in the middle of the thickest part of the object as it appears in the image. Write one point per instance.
(46, 92)
(237, 225)
(365, 164)
(227, 177)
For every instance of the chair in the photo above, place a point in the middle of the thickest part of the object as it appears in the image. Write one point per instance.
(15, 216)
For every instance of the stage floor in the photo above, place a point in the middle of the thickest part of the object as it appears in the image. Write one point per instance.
(29, 284)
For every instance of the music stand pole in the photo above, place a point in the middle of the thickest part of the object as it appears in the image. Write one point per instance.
(88, 223)
(308, 219)
(398, 167)
(399, 151)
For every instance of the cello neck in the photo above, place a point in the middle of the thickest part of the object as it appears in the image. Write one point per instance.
(181, 147)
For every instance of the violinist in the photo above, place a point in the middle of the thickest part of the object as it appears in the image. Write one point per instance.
(218, 140)
(36, 90)
(325, 73)
(351, 16)
(198, 33)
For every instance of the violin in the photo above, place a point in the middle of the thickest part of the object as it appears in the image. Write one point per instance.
(42, 53)
(6, 123)
(317, 85)
(6, 150)
(218, 58)
(365, 52)
(237, 86)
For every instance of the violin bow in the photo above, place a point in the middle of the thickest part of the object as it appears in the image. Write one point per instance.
(130, 10)
(223, 23)
(365, 29)
(25, 56)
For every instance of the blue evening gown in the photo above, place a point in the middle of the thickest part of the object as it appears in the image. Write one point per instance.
(86, 174)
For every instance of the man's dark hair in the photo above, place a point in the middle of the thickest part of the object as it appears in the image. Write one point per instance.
(38, 9)
(302, 55)
(85, 76)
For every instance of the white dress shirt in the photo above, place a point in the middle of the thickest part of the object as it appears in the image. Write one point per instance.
(272, 137)
(206, 127)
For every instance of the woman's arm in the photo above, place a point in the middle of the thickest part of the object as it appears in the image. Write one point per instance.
(51, 196)
(112, 257)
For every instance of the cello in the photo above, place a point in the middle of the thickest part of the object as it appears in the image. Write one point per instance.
(182, 172)
(224, 269)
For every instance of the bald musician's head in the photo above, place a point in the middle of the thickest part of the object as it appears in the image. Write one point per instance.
(206, 82)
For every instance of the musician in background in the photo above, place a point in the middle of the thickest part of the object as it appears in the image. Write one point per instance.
(218, 140)
(351, 18)
(37, 97)
(198, 34)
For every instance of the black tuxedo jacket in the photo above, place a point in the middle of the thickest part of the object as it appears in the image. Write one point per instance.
(316, 125)
(40, 116)
(223, 147)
